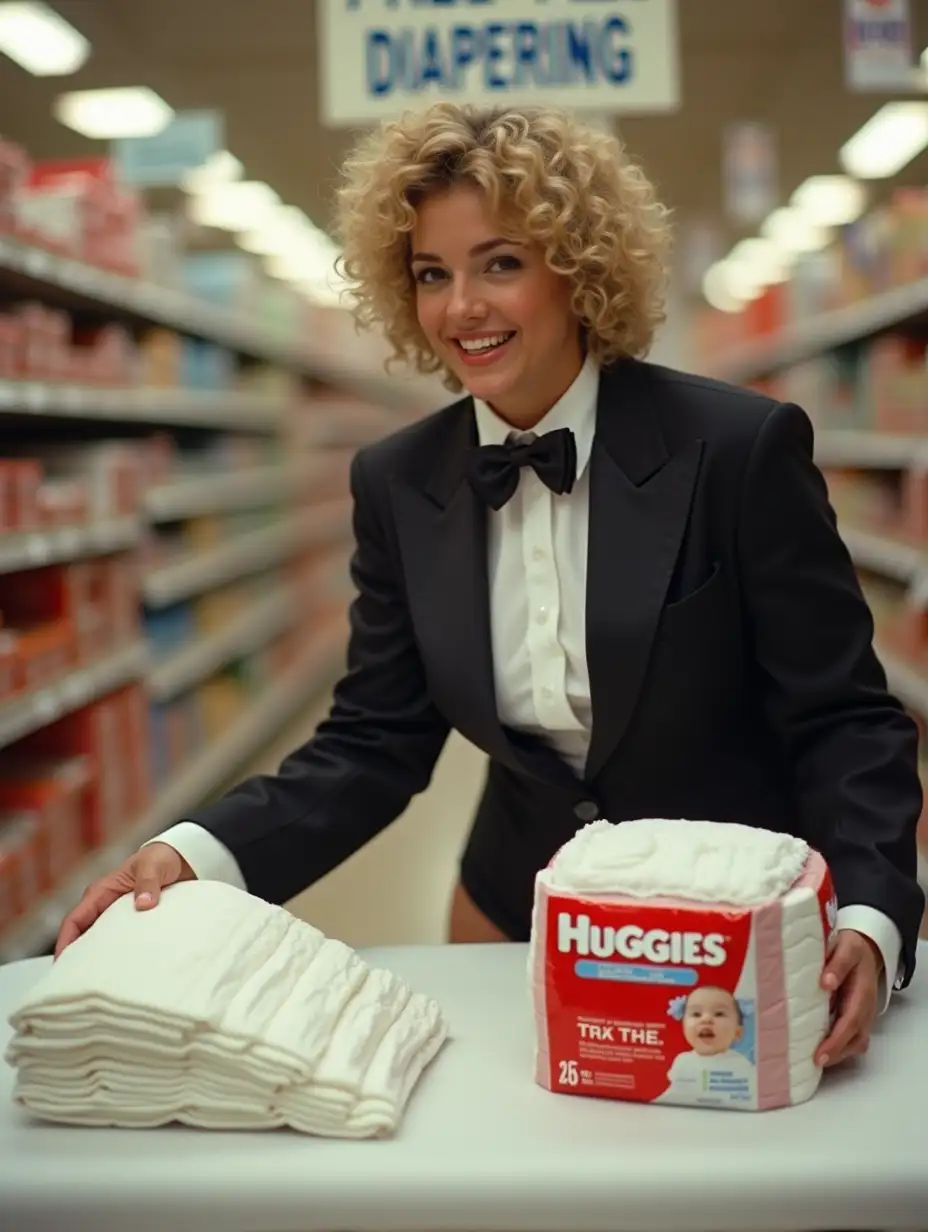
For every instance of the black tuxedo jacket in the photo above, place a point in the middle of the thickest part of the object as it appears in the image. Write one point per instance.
(729, 646)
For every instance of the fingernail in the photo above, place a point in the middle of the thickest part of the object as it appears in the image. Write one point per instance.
(143, 900)
(824, 1061)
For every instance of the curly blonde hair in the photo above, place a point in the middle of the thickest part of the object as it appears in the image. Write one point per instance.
(559, 182)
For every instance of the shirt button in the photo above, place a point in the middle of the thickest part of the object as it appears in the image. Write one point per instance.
(541, 616)
(547, 693)
(586, 810)
(539, 554)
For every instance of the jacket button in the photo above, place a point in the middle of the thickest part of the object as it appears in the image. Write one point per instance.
(586, 810)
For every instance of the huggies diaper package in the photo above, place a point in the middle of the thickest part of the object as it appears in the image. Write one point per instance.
(680, 962)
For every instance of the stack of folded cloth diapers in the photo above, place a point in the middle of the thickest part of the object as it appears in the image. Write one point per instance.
(220, 1011)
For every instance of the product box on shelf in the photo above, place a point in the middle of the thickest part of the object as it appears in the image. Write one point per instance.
(63, 503)
(20, 484)
(20, 882)
(77, 208)
(112, 471)
(206, 366)
(169, 629)
(159, 358)
(52, 788)
(102, 355)
(44, 342)
(94, 601)
(111, 735)
(14, 169)
(177, 734)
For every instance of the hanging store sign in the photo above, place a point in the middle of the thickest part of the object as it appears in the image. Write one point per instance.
(161, 161)
(878, 45)
(381, 57)
(750, 171)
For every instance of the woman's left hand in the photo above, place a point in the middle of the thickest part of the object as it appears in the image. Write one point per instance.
(852, 973)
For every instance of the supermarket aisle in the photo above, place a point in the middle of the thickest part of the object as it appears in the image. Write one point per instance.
(396, 890)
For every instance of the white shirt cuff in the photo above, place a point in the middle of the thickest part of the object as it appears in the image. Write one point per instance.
(209, 859)
(885, 936)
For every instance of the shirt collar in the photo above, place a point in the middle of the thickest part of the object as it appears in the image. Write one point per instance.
(575, 409)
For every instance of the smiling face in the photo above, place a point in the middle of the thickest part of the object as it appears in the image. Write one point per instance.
(711, 1022)
(491, 309)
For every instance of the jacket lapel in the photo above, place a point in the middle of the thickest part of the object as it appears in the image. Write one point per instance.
(640, 497)
(442, 531)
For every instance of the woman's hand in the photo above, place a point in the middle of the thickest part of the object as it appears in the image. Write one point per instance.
(852, 973)
(145, 874)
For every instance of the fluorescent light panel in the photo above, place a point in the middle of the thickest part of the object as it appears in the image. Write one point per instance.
(830, 200)
(278, 233)
(238, 206)
(221, 168)
(889, 140)
(793, 231)
(760, 261)
(134, 111)
(718, 289)
(36, 38)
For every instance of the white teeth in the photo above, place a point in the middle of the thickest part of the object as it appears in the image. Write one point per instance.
(483, 344)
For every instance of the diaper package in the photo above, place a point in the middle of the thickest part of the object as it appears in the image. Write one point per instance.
(680, 962)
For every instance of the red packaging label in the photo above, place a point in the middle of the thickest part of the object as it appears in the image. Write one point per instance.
(664, 1001)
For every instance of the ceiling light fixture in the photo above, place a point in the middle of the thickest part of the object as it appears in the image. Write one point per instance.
(888, 141)
(760, 261)
(720, 289)
(220, 168)
(279, 233)
(36, 38)
(134, 111)
(237, 206)
(830, 200)
(794, 232)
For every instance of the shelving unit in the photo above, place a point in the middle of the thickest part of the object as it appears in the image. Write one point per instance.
(900, 307)
(63, 281)
(206, 773)
(287, 509)
(32, 549)
(125, 404)
(39, 707)
(899, 559)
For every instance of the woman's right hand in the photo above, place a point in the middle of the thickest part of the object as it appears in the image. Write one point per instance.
(144, 874)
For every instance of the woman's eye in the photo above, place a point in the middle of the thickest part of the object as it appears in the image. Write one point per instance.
(506, 263)
(428, 275)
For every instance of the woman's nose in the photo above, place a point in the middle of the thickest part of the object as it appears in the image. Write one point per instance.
(465, 305)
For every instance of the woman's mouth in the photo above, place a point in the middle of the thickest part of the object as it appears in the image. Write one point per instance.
(483, 350)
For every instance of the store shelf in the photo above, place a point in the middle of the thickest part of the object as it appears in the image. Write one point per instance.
(44, 705)
(206, 655)
(199, 571)
(33, 549)
(193, 495)
(222, 409)
(207, 772)
(869, 450)
(51, 278)
(883, 555)
(245, 554)
(901, 306)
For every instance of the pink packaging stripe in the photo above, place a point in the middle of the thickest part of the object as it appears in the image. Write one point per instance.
(772, 1011)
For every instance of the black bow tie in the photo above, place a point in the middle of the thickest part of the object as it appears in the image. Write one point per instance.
(493, 470)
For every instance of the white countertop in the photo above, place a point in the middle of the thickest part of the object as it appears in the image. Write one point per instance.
(483, 1147)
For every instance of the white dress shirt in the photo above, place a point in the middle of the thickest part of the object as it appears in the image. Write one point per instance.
(537, 556)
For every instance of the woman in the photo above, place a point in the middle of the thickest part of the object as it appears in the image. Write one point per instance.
(623, 583)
